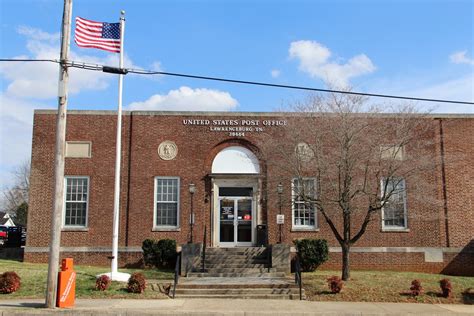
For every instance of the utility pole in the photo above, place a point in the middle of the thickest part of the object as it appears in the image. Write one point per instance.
(55, 240)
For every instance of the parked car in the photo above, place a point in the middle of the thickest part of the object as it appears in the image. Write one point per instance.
(3, 234)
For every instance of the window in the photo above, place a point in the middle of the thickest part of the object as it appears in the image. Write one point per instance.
(166, 202)
(303, 211)
(76, 201)
(394, 214)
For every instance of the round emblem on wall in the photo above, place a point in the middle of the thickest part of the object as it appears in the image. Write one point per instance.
(167, 150)
(304, 152)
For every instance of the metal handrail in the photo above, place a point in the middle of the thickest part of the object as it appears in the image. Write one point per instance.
(204, 242)
(176, 272)
(298, 279)
(269, 258)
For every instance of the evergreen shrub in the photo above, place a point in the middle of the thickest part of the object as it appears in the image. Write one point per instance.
(312, 253)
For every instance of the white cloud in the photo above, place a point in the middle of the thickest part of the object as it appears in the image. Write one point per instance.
(16, 125)
(460, 58)
(39, 80)
(188, 99)
(33, 85)
(37, 34)
(275, 73)
(315, 60)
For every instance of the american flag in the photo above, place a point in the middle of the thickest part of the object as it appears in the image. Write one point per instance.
(101, 35)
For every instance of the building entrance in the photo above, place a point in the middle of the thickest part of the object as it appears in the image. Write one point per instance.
(236, 216)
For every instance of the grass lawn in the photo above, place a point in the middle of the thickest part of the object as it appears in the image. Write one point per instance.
(387, 286)
(33, 281)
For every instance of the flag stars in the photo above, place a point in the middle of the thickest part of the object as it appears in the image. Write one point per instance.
(111, 30)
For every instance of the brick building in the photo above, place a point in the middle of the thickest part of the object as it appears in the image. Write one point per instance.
(224, 158)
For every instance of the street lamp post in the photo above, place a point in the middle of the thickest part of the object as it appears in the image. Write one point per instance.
(192, 190)
(280, 191)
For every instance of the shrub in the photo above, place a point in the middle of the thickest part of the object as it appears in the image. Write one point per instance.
(9, 282)
(161, 254)
(102, 283)
(312, 253)
(335, 284)
(446, 287)
(136, 283)
(416, 288)
(149, 252)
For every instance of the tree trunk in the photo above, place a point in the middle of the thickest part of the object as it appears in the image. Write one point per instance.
(345, 262)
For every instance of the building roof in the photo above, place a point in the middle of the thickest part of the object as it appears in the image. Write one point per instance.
(6, 219)
(233, 114)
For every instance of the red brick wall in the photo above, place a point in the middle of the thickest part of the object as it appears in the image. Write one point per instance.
(459, 166)
(197, 146)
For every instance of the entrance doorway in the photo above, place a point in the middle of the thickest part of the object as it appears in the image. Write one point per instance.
(236, 216)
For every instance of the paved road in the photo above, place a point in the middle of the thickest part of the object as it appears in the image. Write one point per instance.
(229, 307)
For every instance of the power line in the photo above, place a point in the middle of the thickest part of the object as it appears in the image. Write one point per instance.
(96, 67)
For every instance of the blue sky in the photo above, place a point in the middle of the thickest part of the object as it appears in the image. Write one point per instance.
(416, 48)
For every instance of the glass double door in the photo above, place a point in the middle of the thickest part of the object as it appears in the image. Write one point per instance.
(235, 221)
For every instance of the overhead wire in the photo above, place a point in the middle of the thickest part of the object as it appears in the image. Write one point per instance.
(97, 67)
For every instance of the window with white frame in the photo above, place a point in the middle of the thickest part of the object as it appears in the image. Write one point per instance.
(166, 202)
(76, 201)
(394, 212)
(304, 211)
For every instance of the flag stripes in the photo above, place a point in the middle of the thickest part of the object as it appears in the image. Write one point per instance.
(101, 35)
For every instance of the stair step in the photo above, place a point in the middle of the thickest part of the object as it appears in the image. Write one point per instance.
(237, 275)
(235, 291)
(238, 286)
(256, 296)
(240, 270)
(233, 265)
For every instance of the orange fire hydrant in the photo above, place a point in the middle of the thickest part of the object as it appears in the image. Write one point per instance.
(66, 284)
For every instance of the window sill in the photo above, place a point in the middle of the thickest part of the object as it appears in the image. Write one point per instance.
(395, 230)
(75, 229)
(166, 229)
(304, 229)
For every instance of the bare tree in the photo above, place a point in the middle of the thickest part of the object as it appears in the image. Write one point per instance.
(361, 157)
(15, 197)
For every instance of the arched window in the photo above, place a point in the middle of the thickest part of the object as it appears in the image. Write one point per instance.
(236, 160)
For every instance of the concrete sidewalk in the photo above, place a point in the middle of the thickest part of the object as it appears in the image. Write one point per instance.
(229, 307)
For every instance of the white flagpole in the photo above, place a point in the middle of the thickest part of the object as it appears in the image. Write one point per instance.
(114, 274)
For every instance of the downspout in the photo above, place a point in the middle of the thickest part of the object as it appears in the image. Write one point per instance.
(127, 222)
(443, 179)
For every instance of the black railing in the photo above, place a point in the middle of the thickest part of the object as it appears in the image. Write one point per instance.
(298, 275)
(203, 256)
(269, 258)
(176, 272)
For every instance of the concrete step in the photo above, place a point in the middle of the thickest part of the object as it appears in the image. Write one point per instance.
(255, 296)
(234, 291)
(238, 286)
(238, 275)
(236, 251)
(232, 265)
(239, 270)
(238, 259)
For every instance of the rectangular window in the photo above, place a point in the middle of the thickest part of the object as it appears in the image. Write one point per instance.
(394, 213)
(166, 202)
(76, 201)
(304, 211)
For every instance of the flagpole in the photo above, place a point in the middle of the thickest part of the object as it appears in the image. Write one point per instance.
(114, 274)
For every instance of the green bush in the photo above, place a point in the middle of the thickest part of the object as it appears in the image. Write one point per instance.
(160, 254)
(312, 253)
